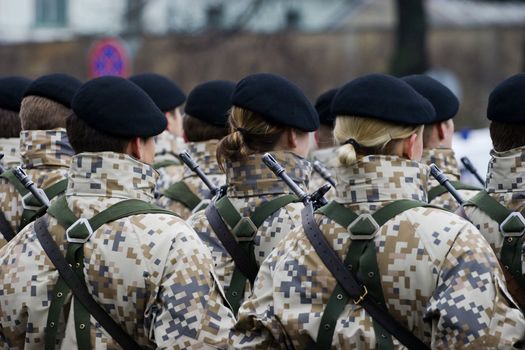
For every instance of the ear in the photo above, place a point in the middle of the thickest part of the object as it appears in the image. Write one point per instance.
(292, 138)
(135, 148)
(441, 130)
(409, 146)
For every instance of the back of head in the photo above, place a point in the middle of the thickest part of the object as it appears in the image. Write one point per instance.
(373, 112)
(108, 112)
(323, 106)
(207, 110)
(163, 91)
(506, 112)
(11, 93)
(47, 102)
(264, 107)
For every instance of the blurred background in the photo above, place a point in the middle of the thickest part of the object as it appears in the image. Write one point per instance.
(319, 44)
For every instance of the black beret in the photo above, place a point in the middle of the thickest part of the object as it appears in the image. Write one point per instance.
(444, 101)
(211, 102)
(12, 91)
(118, 107)
(383, 97)
(163, 91)
(57, 87)
(276, 99)
(506, 101)
(323, 106)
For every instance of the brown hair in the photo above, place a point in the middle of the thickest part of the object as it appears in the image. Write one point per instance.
(249, 134)
(83, 138)
(197, 131)
(40, 113)
(9, 124)
(507, 136)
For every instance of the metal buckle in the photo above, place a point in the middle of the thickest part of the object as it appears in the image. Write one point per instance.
(371, 219)
(82, 221)
(252, 225)
(26, 206)
(512, 234)
(362, 296)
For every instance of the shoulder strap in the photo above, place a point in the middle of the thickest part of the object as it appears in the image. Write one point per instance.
(437, 191)
(180, 192)
(350, 285)
(164, 164)
(13, 180)
(5, 228)
(79, 288)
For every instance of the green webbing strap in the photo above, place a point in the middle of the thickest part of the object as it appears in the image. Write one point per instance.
(164, 163)
(13, 180)
(245, 229)
(511, 250)
(360, 259)
(29, 215)
(437, 191)
(180, 192)
(75, 256)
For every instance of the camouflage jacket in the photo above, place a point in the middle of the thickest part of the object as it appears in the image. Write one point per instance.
(446, 161)
(203, 153)
(167, 146)
(46, 156)
(250, 184)
(150, 271)
(328, 158)
(10, 148)
(439, 277)
(506, 172)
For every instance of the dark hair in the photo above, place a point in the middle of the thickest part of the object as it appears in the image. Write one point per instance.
(250, 133)
(40, 113)
(83, 138)
(9, 124)
(507, 136)
(196, 130)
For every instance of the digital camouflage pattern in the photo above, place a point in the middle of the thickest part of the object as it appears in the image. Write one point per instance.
(46, 156)
(506, 172)
(203, 153)
(150, 271)
(167, 147)
(250, 184)
(439, 276)
(10, 148)
(327, 157)
(445, 159)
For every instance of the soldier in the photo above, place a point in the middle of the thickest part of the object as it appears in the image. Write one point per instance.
(204, 123)
(324, 138)
(258, 209)
(11, 93)
(498, 210)
(169, 98)
(144, 267)
(426, 269)
(44, 148)
(437, 141)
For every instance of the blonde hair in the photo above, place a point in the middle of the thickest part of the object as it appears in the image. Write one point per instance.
(40, 113)
(373, 136)
(249, 133)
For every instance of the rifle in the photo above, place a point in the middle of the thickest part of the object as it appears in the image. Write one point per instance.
(445, 182)
(470, 167)
(190, 163)
(316, 198)
(321, 170)
(38, 193)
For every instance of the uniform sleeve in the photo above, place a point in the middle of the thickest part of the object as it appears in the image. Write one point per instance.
(191, 311)
(470, 305)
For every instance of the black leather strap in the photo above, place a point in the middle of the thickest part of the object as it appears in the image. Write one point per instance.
(336, 266)
(79, 289)
(229, 242)
(5, 228)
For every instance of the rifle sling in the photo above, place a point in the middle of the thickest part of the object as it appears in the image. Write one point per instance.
(79, 289)
(335, 265)
(5, 228)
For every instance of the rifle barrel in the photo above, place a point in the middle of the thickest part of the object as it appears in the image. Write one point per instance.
(279, 171)
(38, 193)
(321, 170)
(444, 181)
(190, 163)
(470, 167)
